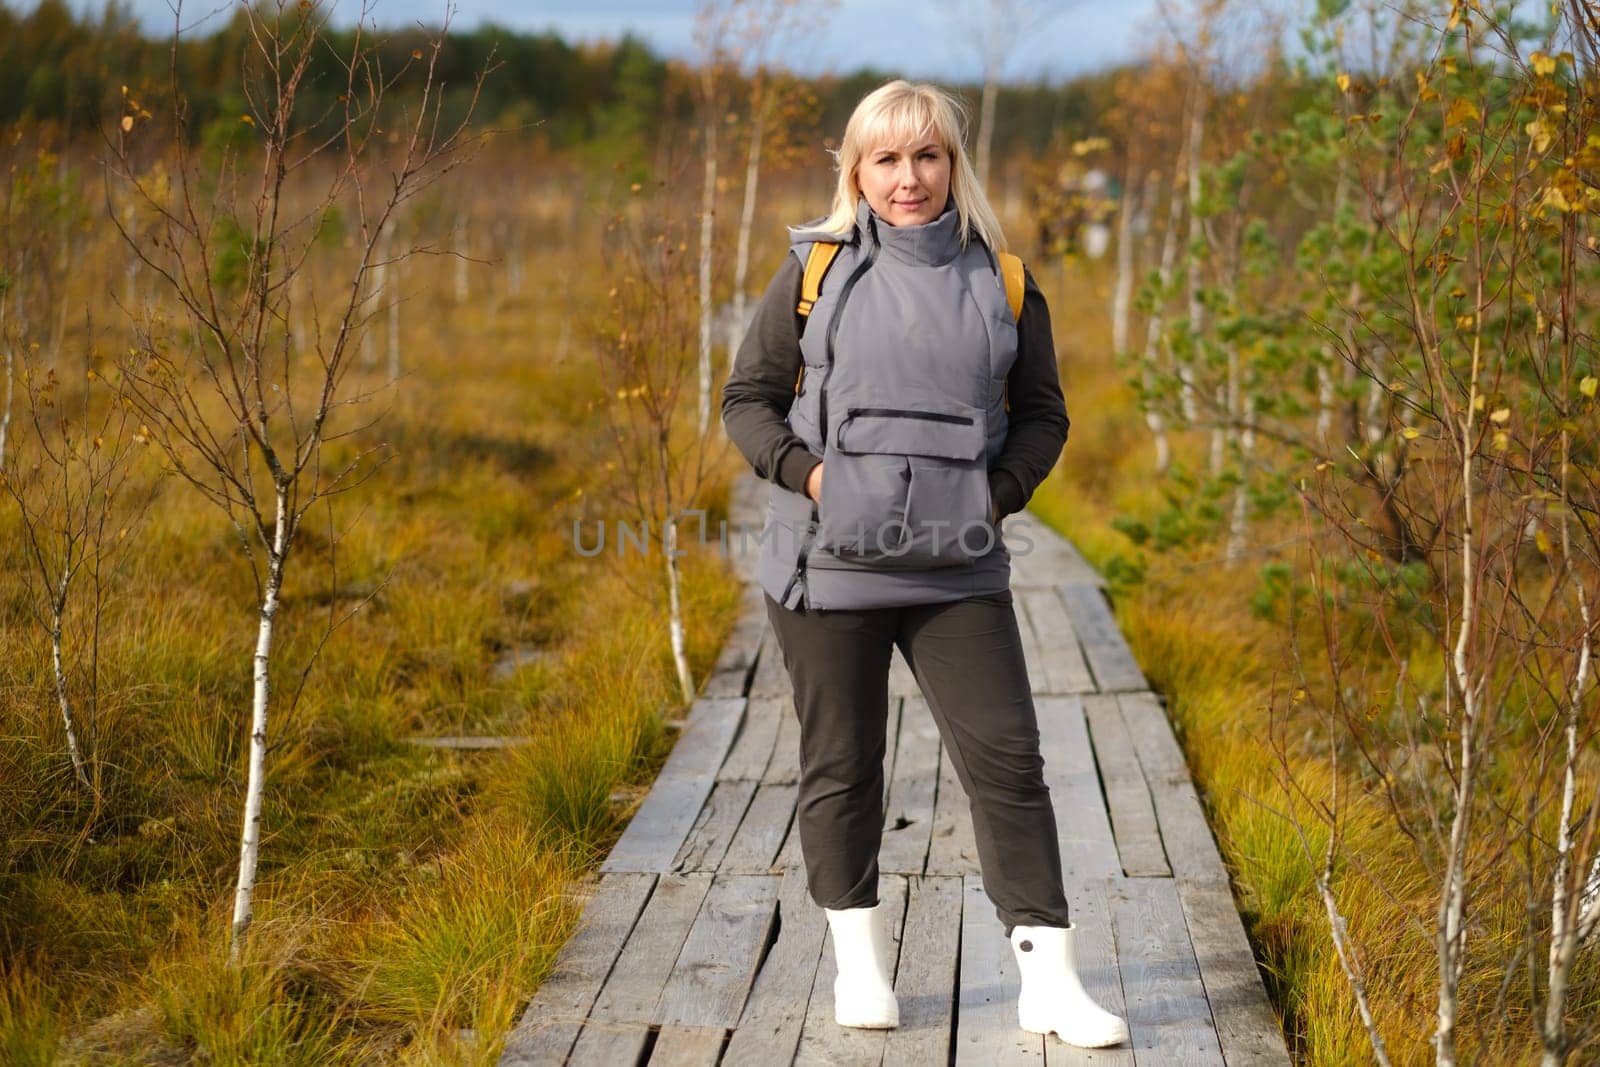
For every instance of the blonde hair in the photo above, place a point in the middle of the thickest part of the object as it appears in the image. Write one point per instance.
(898, 113)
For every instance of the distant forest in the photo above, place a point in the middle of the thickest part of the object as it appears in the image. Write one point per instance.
(67, 72)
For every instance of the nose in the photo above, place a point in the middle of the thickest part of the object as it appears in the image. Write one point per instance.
(907, 174)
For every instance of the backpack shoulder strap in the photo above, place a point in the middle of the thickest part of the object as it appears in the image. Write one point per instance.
(1011, 271)
(818, 260)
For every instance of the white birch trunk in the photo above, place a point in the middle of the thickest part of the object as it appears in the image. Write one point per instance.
(991, 90)
(376, 290)
(1186, 372)
(57, 611)
(1122, 293)
(1239, 524)
(680, 656)
(708, 209)
(747, 216)
(1152, 336)
(394, 326)
(1450, 934)
(11, 377)
(250, 839)
(1565, 936)
(1345, 950)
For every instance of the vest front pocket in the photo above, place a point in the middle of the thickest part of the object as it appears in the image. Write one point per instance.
(900, 485)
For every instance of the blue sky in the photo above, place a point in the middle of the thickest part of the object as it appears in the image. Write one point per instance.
(918, 38)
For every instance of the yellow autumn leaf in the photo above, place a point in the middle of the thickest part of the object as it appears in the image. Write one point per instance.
(1553, 197)
(1461, 111)
(1588, 385)
(1411, 433)
(1539, 134)
(1542, 64)
(247, 120)
(127, 123)
(1541, 540)
(1343, 81)
(1502, 440)
(1500, 415)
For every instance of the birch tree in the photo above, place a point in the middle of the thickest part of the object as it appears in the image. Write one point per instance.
(70, 486)
(992, 30)
(259, 428)
(642, 352)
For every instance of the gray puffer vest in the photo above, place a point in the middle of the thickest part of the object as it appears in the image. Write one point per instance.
(906, 355)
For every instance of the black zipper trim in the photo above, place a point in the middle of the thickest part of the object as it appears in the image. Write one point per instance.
(833, 330)
(905, 413)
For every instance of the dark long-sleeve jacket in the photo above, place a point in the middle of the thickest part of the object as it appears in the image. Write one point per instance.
(760, 389)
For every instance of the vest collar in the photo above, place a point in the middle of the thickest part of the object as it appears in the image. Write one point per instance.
(932, 244)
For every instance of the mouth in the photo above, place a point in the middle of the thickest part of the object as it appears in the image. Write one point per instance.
(910, 205)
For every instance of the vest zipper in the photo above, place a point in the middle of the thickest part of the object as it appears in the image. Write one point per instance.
(833, 331)
(904, 413)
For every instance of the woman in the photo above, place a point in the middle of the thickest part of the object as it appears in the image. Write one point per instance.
(900, 417)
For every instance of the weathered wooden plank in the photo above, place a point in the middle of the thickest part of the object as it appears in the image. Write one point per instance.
(730, 676)
(1082, 824)
(550, 1024)
(1191, 850)
(706, 844)
(1247, 1028)
(688, 1046)
(658, 829)
(1040, 556)
(1060, 656)
(619, 1024)
(1110, 659)
(717, 963)
(823, 1042)
(791, 856)
(1133, 814)
(1185, 834)
(769, 1029)
(953, 849)
(765, 828)
(1169, 1018)
(1095, 954)
(1032, 651)
(785, 763)
(902, 683)
(926, 977)
(986, 1013)
(908, 818)
(1151, 734)
(469, 743)
(772, 675)
(752, 748)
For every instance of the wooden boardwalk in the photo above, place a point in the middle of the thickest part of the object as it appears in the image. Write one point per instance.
(699, 945)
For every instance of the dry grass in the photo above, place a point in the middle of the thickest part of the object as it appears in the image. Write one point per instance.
(410, 898)
(1228, 676)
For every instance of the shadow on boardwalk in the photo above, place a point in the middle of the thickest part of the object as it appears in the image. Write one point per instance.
(700, 946)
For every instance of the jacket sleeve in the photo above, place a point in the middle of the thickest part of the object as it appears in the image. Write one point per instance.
(1037, 428)
(760, 388)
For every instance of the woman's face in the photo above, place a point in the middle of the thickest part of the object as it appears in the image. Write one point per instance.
(907, 185)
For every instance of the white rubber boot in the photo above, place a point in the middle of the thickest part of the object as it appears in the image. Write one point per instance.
(863, 995)
(1052, 998)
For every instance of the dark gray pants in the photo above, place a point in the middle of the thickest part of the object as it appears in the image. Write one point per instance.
(967, 658)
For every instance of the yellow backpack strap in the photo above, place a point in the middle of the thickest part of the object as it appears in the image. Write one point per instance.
(818, 260)
(1011, 271)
